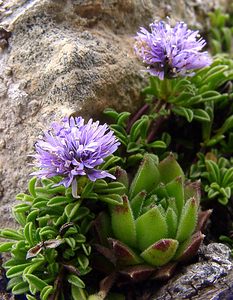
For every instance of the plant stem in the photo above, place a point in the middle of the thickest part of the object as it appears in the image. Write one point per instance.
(156, 124)
(138, 114)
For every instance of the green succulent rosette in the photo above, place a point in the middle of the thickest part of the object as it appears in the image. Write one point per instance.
(158, 220)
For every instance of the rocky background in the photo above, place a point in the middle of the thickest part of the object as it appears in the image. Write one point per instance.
(59, 57)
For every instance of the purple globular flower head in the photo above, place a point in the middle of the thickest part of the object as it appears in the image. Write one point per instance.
(171, 51)
(73, 149)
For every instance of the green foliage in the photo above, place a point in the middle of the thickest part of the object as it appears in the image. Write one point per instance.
(134, 135)
(49, 251)
(217, 176)
(149, 225)
(202, 99)
(220, 32)
(149, 214)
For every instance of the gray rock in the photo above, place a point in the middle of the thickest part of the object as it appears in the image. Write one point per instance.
(69, 56)
(210, 278)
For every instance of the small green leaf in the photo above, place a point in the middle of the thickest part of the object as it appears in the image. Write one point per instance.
(184, 112)
(157, 145)
(188, 220)
(160, 252)
(83, 261)
(113, 199)
(59, 200)
(29, 297)
(113, 188)
(120, 133)
(214, 172)
(47, 290)
(31, 186)
(78, 293)
(75, 280)
(226, 192)
(123, 225)
(175, 189)
(228, 177)
(201, 115)
(139, 127)
(172, 222)
(147, 176)
(122, 177)
(71, 209)
(20, 218)
(16, 270)
(228, 35)
(23, 207)
(192, 189)
(35, 281)
(223, 200)
(71, 242)
(133, 147)
(122, 118)
(32, 215)
(20, 288)
(111, 113)
(124, 255)
(169, 169)
(137, 203)
(11, 234)
(228, 124)
(24, 197)
(150, 228)
(6, 246)
(28, 233)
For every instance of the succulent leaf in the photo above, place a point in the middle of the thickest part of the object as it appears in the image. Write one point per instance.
(102, 226)
(161, 252)
(169, 169)
(121, 176)
(150, 228)
(192, 189)
(189, 247)
(137, 203)
(172, 222)
(160, 191)
(147, 176)
(123, 224)
(125, 256)
(188, 220)
(175, 189)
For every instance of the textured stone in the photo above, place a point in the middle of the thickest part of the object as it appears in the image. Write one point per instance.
(210, 278)
(69, 56)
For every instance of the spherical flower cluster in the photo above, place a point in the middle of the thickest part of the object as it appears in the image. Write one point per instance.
(73, 149)
(171, 51)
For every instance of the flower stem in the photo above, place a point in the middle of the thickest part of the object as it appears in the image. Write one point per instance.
(138, 114)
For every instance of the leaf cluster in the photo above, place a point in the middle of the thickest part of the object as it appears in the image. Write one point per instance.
(134, 135)
(49, 251)
(220, 32)
(155, 223)
(216, 175)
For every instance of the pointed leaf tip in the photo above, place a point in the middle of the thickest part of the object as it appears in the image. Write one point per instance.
(189, 248)
(123, 224)
(169, 169)
(125, 256)
(188, 220)
(147, 176)
(161, 252)
(150, 227)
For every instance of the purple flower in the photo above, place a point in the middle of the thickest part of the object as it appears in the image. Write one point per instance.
(170, 51)
(73, 149)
